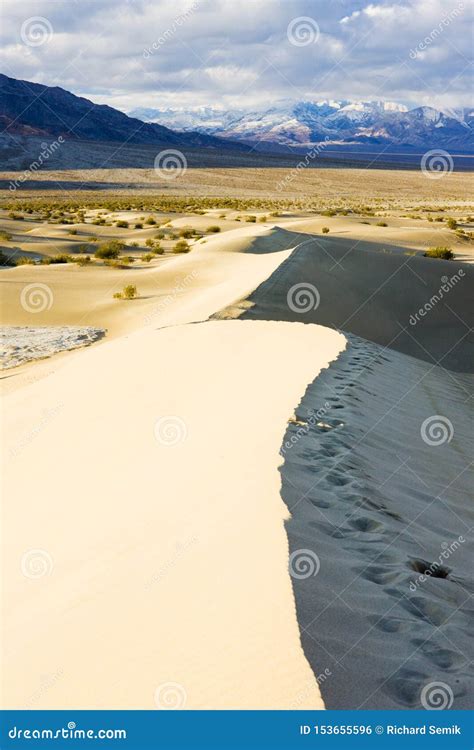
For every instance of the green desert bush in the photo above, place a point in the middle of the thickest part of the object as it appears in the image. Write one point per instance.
(6, 236)
(325, 230)
(451, 223)
(181, 247)
(187, 233)
(139, 225)
(83, 260)
(24, 260)
(122, 224)
(150, 220)
(381, 224)
(128, 292)
(251, 219)
(148, 257)
(213, 229)
(439, 252)
(110, 250)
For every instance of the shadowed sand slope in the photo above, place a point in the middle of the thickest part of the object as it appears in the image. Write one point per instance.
(375, 295)
(377, 474)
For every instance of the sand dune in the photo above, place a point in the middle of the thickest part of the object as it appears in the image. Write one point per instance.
(163, 569)
(163, 563)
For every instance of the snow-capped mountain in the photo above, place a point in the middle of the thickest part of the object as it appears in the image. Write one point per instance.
(303, 124)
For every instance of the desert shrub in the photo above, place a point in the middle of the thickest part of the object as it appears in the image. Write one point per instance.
(72, 231)
(451, 223)
(213, 229)
(262, 219)
(160, 235)
(99, 222)
(147, 257)
(46, 261)
(110, 250)
(381, 224)
(251, 219)
(139, 225)
(325, 230)
(181, 247)
(328, 212)
(157, 250)
(18, 217)
(83, 260)
(439, 252)
(61, 258)
(187, 233)
(365, 222)
(6, 236)
(24, 260)
(5, 260)
(122, 224)
(150, 220)
(128, 292)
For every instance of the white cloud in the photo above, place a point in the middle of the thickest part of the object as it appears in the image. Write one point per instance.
(162, 53)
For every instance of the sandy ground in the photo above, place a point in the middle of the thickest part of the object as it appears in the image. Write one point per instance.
(195, 569)
(187, 597)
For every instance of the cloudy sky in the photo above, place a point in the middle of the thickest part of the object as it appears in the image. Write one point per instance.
(242, 53)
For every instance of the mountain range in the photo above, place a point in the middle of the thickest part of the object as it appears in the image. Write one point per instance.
(302, 124)
(32, 109)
